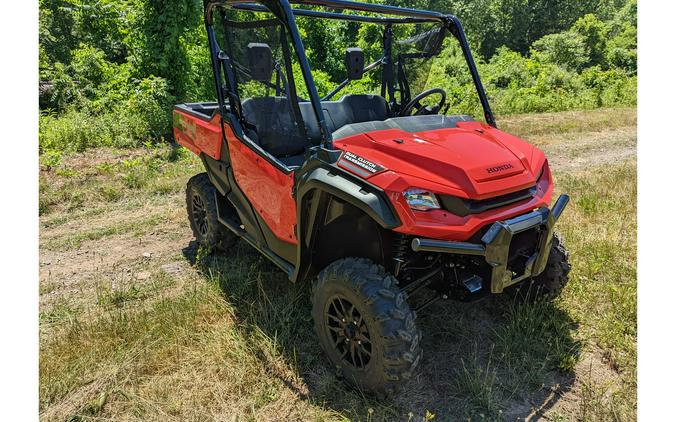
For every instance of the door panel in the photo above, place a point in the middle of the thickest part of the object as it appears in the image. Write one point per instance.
(267, 188)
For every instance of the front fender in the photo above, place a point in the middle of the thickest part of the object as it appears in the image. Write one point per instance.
(315, 185)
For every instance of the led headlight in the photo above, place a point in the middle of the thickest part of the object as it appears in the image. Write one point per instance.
(421, 200)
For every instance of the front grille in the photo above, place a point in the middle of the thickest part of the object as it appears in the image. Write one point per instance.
(463, 207)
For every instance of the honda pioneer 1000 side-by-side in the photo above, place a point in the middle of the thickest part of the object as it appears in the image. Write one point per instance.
(382, 196)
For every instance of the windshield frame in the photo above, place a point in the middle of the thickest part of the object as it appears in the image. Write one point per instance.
(283, 11)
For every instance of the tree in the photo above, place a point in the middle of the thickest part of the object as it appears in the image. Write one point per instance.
(160, 49)
(566, 49)
(594, 34)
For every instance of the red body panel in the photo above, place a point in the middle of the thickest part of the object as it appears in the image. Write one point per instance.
(197, 135)
(267, 188)
(472, 161)
(440, 224)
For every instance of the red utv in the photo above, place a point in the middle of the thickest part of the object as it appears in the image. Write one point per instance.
(385, 199)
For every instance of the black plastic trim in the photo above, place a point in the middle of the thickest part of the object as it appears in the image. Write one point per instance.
(285, 250)
(315, 184)
(339, 183)
(285, 266)
(191, 109)
(217, 171)
(463, 207)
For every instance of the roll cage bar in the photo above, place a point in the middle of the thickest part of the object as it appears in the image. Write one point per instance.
(282, 10)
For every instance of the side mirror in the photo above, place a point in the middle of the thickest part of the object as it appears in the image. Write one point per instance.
(354, 63)
(260, 61)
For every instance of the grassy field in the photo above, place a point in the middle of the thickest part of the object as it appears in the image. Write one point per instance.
(136, 323)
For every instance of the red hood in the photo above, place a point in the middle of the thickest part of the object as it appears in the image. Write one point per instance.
(473, 160)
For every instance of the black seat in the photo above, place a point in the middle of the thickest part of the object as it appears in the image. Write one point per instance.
(278, 134)
(275, 126)
(354, 109)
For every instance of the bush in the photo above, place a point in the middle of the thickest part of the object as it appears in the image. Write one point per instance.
(89, 67)
(131, 114)
(150, 104)
(594, 35)
(62, 89)
(509, 69)
(566, 49)
(76, 131)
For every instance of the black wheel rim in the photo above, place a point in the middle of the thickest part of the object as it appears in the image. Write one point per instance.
(199, 214)
(348, 331)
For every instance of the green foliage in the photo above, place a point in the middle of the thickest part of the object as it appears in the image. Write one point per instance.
(56, 40)
(105, 24)
(150, 104)
(517, 23)
(593, 33)
(89, 67)
(161, 49)
(110, 70)
(622, 43)
(565, 49)
(144, 115)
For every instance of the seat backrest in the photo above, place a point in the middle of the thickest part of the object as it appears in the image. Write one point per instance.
(278, 133)
(365, 108)
(347, 110)
(275, 125)
(355, 109)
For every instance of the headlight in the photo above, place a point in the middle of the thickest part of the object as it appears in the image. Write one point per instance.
(421, 200)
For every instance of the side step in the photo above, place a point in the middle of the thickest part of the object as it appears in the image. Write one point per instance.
(285, 266)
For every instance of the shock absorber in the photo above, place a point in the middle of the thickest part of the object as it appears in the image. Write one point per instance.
(401, 250)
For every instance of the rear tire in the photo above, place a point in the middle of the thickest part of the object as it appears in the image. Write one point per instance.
(365, 325)
(200, 197)
(550, 283)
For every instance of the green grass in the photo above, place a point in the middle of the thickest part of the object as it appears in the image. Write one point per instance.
(605, 271)
(228, 335)
(60, 311)
(476, 381)
(537, 339)
(114, 294)
(74, 183)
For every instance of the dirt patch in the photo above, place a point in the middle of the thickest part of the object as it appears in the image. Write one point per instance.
(115, 259)
(595, 383)
(88, 160)
(578, 152)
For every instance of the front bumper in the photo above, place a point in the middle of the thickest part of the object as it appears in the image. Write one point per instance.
(495, 244)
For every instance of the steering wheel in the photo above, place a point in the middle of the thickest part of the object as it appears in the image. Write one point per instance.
(423, 110)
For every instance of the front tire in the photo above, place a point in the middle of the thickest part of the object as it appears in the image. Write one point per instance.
(200, 198)
(365, 325)
(550, 283)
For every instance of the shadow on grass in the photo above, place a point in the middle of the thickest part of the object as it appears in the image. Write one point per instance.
(487, 360)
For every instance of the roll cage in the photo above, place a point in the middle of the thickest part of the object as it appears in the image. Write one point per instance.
(224, 67)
